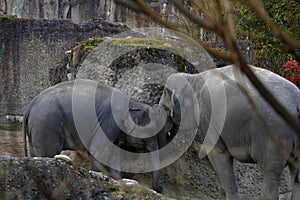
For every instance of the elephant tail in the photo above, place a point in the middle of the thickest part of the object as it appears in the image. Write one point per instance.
(25, 128)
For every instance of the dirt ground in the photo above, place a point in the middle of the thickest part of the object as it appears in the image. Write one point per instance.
(11, 143)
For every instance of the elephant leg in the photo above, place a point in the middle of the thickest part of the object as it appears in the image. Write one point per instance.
(50, 151)
(271, 180)
(295, 182)
(222, 162)
(152, 147)
(155, 179)
(116, 174)
(95, 165)
(45, 143)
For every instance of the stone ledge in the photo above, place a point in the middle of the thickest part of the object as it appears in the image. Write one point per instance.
(47, 178)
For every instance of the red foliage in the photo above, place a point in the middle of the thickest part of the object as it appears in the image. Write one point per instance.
(291, 71)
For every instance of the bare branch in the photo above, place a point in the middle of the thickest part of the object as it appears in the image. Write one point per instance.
(229, 17)
(129, 4)
(153, 15)
(239, 60)
(209, 23)
(140, 7)
(264, 92)
(235, 54)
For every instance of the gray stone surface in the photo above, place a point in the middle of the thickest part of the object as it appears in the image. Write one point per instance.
(46, 178)
(137, 69)
(77, 10)
(30, 50)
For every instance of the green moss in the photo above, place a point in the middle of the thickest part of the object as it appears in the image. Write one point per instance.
(154, 43)
(138, 42)
(96, 173)
(11, 162)
(88, 45)
(11, 128)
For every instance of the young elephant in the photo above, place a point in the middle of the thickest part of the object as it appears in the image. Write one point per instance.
(213, 103)
(85, 115)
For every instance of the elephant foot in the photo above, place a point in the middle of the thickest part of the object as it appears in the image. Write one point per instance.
(158, 188)
(115, 174)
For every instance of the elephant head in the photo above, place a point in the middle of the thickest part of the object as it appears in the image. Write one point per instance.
(144, 121)
(181, 100)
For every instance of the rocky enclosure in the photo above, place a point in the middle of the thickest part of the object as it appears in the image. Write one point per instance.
(32, 59)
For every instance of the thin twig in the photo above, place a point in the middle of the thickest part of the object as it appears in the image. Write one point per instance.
(268, 96)
(239, 60)
(207, 23)
(153, 15)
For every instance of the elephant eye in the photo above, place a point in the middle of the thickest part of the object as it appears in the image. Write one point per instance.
(169, 134)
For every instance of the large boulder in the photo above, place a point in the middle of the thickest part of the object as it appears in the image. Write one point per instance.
(140, 66)
(47, 178)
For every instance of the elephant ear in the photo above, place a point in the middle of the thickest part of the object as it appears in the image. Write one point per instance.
(136, 115)
(128, 123)
(176, 112)
(175, 102)
(134, 105)
(166, 100)
(139, 112)
(170, 101)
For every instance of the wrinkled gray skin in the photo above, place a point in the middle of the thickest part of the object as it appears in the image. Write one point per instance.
(243, 135)
(49, 125)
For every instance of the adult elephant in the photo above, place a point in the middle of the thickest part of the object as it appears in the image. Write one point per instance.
(225, 106)
(85, 115)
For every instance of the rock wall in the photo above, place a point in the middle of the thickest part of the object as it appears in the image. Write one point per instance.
(77, 11)
(30, 49)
